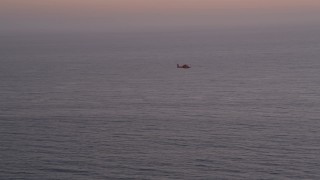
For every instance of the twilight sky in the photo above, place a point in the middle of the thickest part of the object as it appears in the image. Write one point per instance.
(126, 15)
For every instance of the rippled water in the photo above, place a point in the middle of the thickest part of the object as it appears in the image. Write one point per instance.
(115, 106)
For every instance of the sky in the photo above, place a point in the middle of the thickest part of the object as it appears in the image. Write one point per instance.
(139, 15)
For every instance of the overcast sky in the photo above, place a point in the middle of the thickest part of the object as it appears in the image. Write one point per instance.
(127, 15)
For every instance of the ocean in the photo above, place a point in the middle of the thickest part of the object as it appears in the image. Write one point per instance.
(114, 106)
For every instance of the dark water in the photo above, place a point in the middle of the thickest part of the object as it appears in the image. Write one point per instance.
(114, 106)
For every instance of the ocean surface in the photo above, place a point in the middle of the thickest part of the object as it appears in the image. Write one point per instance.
(114, 105)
